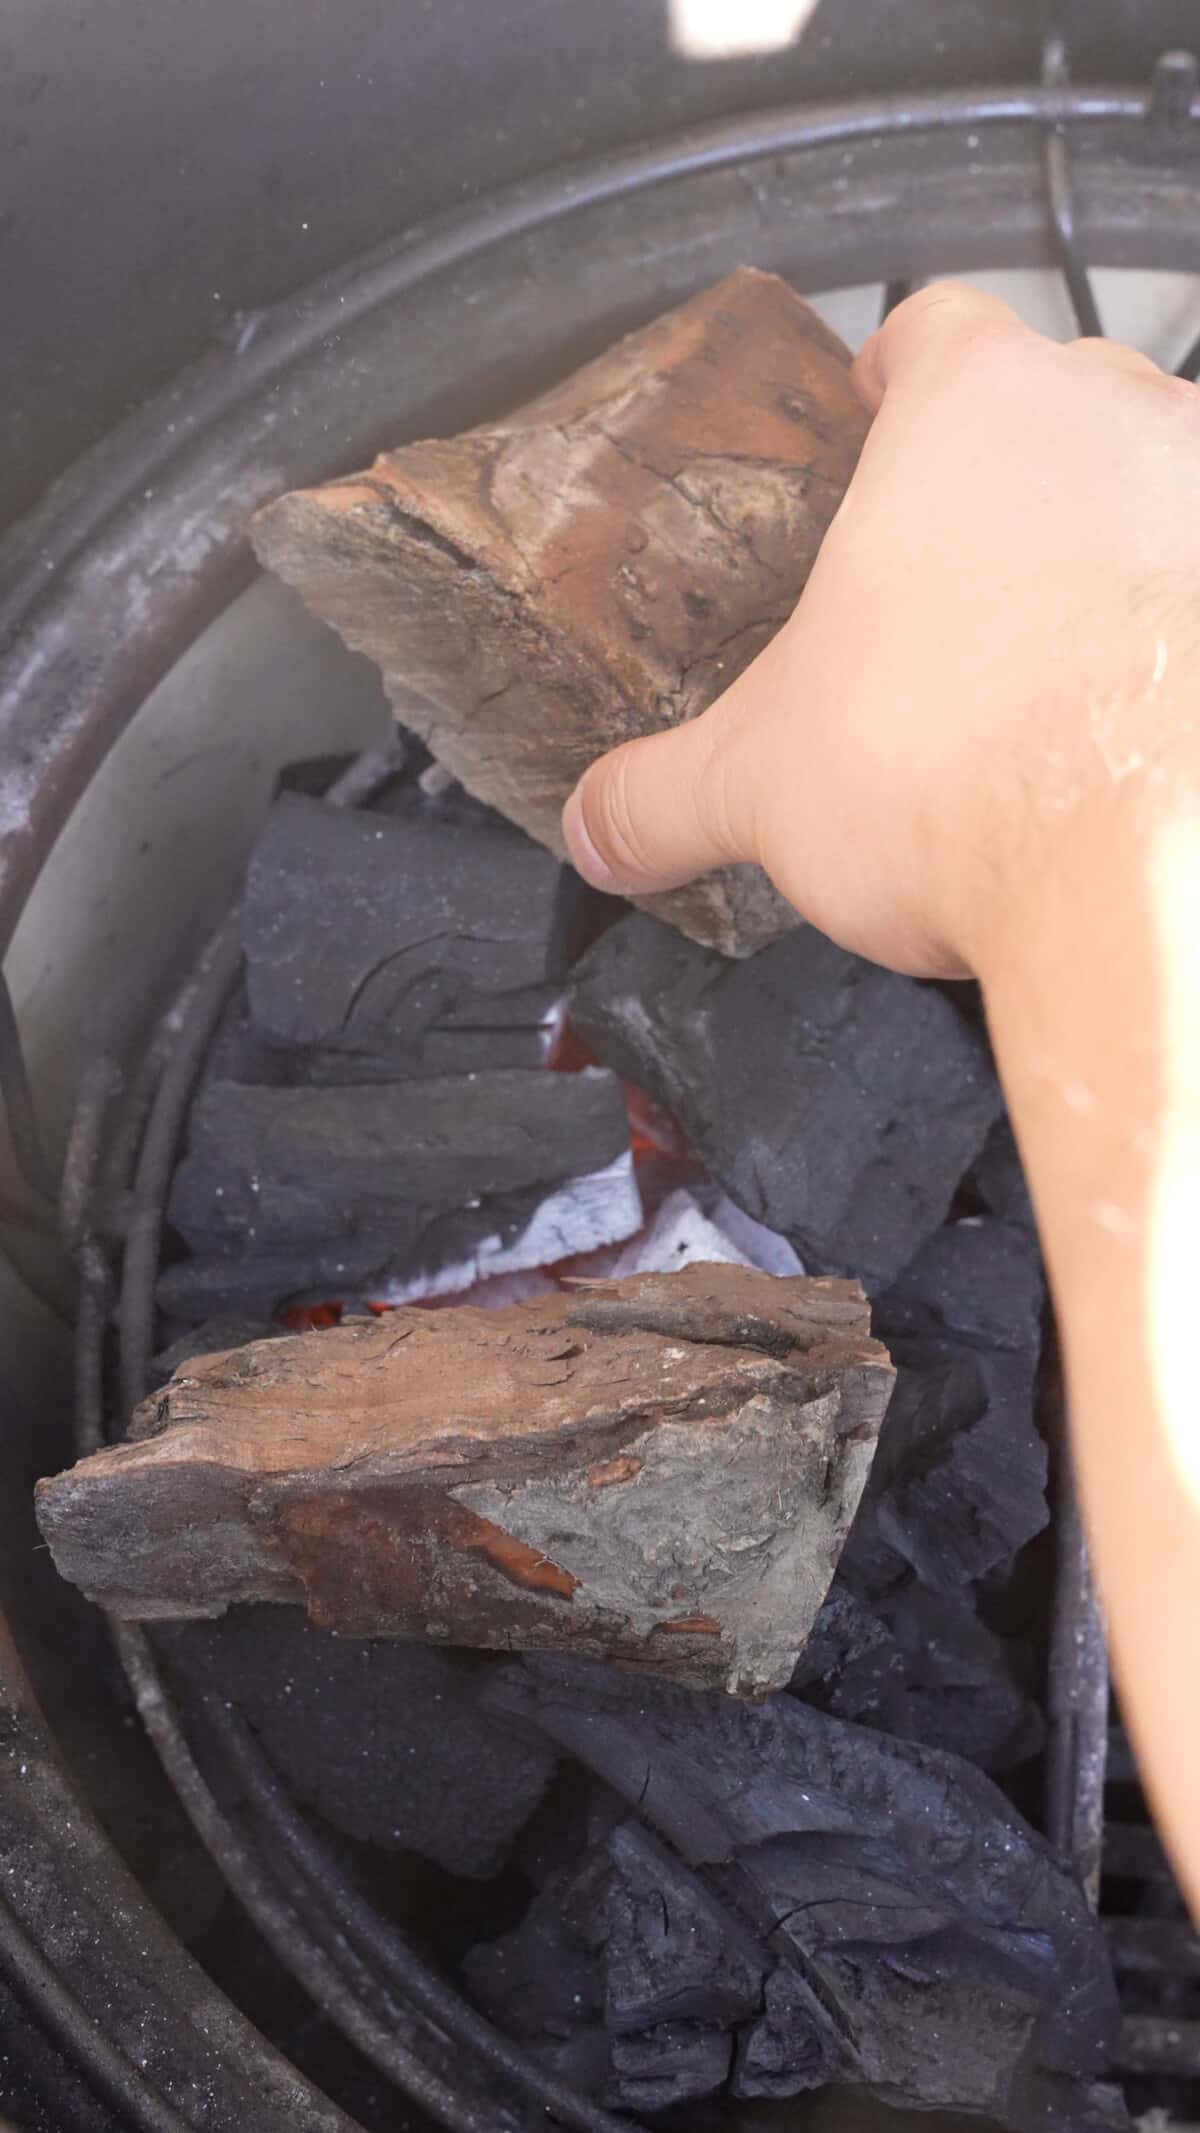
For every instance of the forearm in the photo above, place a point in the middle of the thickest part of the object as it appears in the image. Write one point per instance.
(1094, 1000)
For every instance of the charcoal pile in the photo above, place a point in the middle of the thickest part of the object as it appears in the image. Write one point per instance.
(375, 1121)
(775, 1901)
(708, 1907)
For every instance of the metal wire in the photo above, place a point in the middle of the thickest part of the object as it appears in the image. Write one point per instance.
(1189, 368)
(279, 1922)
(383, 1943)
(894, 292)
(110, 2071)
(1077, 1695)
(1060, 194)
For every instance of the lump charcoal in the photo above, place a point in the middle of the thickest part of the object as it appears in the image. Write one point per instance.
(673, 2064)
(852, 1665)
(959, 1487)
(540, 1980)
(835, 1102)
(788, 2049)
(388, 1742)
(670, 1970)
(978, 1280)
(366, 930)
(239, 1054)
(968, 1690)
(954, 1961)
(924, 1667)
(335, 1190)
(672, 1952)
(999, 1177)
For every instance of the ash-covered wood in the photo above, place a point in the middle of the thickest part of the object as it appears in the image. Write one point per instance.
(836, 1102)
(601, 564)
(345, 1190)
(661, 1470)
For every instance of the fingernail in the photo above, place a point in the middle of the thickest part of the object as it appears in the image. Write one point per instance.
(582, 852)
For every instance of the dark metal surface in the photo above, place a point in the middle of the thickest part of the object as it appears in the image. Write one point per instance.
(165, 165)
(1077, 1699)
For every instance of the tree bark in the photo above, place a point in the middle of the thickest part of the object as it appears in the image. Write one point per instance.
(660, 1470)
(601, 564)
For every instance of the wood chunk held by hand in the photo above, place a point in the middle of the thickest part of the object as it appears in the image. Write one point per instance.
(660, 1470)
(599, 565)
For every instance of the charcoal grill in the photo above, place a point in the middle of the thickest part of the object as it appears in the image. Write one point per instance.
(125, 579)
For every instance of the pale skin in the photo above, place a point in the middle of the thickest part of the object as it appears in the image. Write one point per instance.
(975, 750)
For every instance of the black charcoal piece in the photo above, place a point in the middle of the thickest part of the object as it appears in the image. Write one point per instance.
(977, 1281)
(998, 1177)
(389, 1742)
(958, 1499)
(958, 1487)
(834, 1101)
(967, 1689)
(923, 1666)
(630, 1938)
(950, 1961)
(790, 2047)
(341, 1191)
(238, 1053)
(674, 2063)
(541, 1980)
(362, 929)
(673, 1953)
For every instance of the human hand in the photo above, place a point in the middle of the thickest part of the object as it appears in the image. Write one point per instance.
(995, 648)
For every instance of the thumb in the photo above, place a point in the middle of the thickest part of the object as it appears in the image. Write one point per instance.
(946, 322)
(657, 812)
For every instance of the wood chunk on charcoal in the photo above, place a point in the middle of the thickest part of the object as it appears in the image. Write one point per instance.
(286, 1191)
(835, 1102)
(662, 1470)
(363, 931)
(214, 1336)
(388, 1742)
(950, 1960)
(602, 563)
